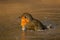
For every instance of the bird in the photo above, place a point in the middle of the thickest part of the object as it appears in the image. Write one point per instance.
(27, 22)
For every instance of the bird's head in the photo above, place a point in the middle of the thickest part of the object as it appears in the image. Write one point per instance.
(27, 16)
(25, 19)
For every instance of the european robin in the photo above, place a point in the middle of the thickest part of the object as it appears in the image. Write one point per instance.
(27, 22)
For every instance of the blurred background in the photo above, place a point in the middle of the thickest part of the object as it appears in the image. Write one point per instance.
(10, 10)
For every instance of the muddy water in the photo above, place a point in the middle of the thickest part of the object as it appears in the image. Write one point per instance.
(30, 35)
(10, 10)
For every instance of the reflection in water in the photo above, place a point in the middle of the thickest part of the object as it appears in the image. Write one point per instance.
(23, 35)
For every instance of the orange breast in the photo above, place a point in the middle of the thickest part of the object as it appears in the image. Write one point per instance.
(24, 21)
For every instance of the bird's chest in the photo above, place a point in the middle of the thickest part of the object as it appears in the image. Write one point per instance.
(24, 21)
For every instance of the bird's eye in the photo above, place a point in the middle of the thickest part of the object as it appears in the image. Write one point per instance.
(25, 16)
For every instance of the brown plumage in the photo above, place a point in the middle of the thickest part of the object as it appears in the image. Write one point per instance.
(27, 22)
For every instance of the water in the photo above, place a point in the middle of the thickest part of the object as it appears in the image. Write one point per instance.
(11, 10)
